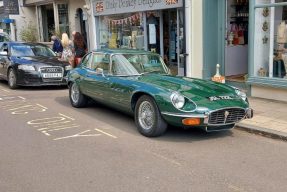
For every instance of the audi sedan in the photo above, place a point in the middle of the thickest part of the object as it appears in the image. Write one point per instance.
(139, 83)
(31, 64)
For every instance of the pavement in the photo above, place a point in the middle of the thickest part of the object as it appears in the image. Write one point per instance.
(270, 118)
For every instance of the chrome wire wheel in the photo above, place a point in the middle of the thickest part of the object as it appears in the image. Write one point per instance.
(146, 115)
(148, 118)
(75, 93)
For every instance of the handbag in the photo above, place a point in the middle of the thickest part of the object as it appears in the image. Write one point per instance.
(77, 60)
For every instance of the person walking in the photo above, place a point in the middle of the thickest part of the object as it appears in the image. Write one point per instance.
(80, 47)
(67, 54)
(57, 45)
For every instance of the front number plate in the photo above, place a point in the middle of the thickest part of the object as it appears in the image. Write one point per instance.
(52, 75)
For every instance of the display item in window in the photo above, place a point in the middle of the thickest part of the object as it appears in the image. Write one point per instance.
(281, 32)
(265, 39)
(265, 26)
(265, 12)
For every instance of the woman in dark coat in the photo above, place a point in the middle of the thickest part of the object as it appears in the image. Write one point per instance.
(80, 47)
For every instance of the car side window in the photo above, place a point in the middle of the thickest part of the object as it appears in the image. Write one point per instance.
(86, 61)
(102, 61)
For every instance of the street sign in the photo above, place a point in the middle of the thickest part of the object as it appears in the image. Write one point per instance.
(7, 20)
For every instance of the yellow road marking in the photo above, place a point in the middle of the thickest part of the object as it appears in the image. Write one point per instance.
(101, 131)
(78, 135)
(66, 116)
(42, 106)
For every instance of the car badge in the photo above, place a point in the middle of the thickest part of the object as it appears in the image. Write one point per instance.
(226, 113)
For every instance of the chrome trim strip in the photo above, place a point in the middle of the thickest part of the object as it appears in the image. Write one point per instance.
(206, 116)
(185, 115)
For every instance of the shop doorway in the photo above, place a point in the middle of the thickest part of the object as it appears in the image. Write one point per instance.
(47, 22)
(165, 36)
(236, 40)
(173, 40)
(81, 23)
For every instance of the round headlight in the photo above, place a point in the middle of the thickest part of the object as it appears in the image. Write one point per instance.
(241, 94)
(177, 100)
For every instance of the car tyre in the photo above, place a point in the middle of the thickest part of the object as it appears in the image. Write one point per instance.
(12, 79)
(77, 99)
(148, 118)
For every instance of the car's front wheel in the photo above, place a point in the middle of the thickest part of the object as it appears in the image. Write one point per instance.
(148, 118)
(77, 99)
(12, 79)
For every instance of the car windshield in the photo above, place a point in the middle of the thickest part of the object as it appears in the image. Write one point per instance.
(22, 50)
(136, 64)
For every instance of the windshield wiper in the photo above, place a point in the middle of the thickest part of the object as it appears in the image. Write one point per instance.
(154, 71)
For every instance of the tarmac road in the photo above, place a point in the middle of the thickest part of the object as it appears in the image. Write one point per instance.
(46, 145)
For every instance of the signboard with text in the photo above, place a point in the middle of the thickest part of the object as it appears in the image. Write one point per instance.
(107, 7)
(11, 7)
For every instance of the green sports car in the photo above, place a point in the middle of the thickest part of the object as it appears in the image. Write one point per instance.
(139, 83)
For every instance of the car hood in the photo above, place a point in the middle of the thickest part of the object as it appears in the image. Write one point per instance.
(198, 90)
(187, 86)
(52, 61)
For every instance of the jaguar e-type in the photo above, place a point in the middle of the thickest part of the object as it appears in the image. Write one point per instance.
(139, 83)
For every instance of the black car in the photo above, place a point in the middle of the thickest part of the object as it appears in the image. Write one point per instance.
(31, 64)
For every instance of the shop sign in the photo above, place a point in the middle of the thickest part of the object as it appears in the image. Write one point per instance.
(107, 7)
(11, 7)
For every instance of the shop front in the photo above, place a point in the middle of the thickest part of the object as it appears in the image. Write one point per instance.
(249, 41)
(268, 53)
(60, 16)
(156, 26)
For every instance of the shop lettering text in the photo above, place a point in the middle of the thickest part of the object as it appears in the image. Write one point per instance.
(118, 4)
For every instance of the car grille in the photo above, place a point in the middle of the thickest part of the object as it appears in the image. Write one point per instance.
(226, 116)
(51, 73)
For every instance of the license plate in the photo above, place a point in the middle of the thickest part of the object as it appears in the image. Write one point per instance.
(52, 75)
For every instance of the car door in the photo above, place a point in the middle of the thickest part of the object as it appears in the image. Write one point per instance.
(4, 60)
(96, 78)
(121, 85)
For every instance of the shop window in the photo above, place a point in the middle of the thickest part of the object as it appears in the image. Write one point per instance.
(122, 31)
(63, 18)
(267, 1)
(270, 42)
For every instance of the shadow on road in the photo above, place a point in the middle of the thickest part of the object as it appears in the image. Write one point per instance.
(126, 123)
(35, 88)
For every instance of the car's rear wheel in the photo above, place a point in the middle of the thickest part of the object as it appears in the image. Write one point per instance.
(12, 79)
(77, 99)
(148, 118)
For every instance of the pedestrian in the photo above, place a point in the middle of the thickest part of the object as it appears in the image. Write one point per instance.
(67, 54)
(57, 45)
(80, 47)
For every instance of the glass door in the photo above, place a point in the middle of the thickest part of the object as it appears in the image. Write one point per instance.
(173, 40)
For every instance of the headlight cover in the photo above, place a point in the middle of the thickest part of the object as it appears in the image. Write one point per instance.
(177, 100)
(26, 67)
(241, 94)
